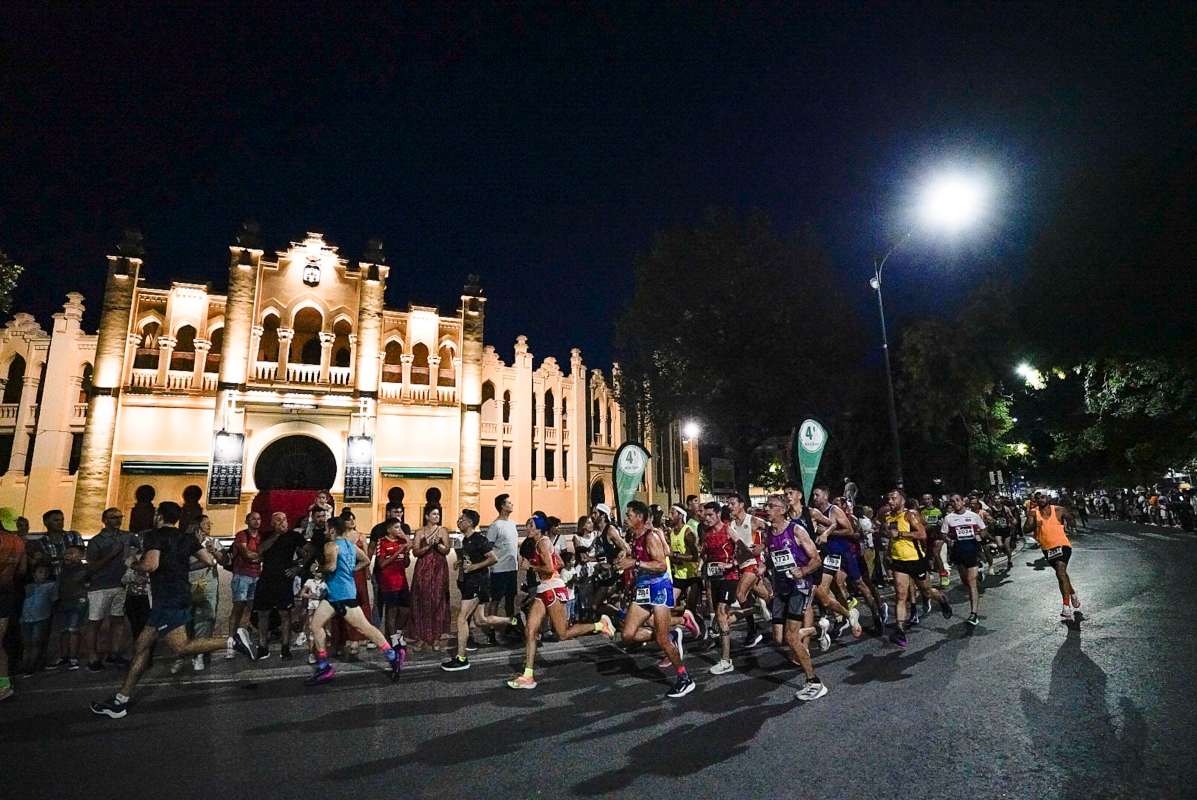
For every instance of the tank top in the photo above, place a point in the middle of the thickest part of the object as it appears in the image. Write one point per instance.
(742, 532)
(901, 549)
(640, 553)
(717, 548)
(785, 554)
(553, 581)
(677, 544)
(1049, 531)
(340, 584)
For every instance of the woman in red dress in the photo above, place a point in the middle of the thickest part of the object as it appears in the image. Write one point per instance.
(430, 581)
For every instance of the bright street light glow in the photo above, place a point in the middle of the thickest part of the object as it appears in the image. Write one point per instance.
(952, 201)
(691, 430)
(1031, 376)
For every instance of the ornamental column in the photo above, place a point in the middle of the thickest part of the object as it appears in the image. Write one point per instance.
(96, 462)
(405, 375)
(166, 348)
(326, 343)
(202, 347)
(372, 275)
(237, 353)
(20, 439)
(469, 387)
(285, 335)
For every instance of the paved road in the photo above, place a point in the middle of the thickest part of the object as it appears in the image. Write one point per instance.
(1023, 707)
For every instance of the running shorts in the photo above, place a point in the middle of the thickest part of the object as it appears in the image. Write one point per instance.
(475, 588)
(165, 620)
(723, 591)
(790, 606)
(341, 607)
(657, 592)
(550, 596)
(964, 556)
(1058, 554)
(915, 569)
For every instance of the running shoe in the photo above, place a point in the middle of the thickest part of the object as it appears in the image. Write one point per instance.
(927, 605)
(301, 639)
(813, 690)
(608, 626)
(263, 653)
(197, 663)
(915, 619)
(322, 675)
(521, 682)
(243, 644)
(898, 637)
(456, 664)
(176, 666)
(471, 645)
(683, 686)
(1076, 601)
(675, 636)
(285, 653)
(981, 571)
(230, 649)
(664, 663)
(752, 640)
(311, 658)
(111, 707)
(945, 607)
(844, 627)
(824, 637)
(854, 621)
(691, 624)
(1066, 612)
(395, 662)
(72, 664)
(973, 620)
(885, 613)
(722, 667)
(852, 603)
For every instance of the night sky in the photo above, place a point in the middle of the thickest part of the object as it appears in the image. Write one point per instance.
(542, 147)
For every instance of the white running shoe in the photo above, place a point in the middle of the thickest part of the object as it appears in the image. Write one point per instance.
(824, 635)
(1076, 601)
(301, 639)
(723, 667)
(197, 663)
(229, 649)
(1066, 613)
(812, 691)
(854, 620)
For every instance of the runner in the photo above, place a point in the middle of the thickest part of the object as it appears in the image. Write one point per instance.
(811, 518)
(610, 546)
(1046, 522)
(1003, 529)
(166, 558)
(722, 578)
(793, 559)
(683, 559)
(933, 523)
(475, 557)
(653, 598)
(908, 561)
(550, 599)
(341, 559)
(984, 536)
(747, 532)
(837, 537)
(963, 527)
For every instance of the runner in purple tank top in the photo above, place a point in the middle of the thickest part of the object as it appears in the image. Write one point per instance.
(792, 559)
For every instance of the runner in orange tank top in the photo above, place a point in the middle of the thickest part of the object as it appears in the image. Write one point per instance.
(1046, 522)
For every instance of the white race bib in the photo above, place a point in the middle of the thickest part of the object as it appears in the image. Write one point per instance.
(714, 570)
(965, 532)
(783, 558)
(832, 561)
(1055, 552)
(642, 594)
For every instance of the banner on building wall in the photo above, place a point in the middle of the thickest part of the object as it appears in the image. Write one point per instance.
(723, 476)
(359, 470)
(810, 439)
(631, 460)
(224, 478)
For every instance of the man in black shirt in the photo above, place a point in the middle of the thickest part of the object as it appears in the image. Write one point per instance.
(275, 590)
(474, 560)
(166, 559)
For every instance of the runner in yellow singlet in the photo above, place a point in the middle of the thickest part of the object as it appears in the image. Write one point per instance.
(908, 561)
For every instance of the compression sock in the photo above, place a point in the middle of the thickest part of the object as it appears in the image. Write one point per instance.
(528, 672)
(681, 671)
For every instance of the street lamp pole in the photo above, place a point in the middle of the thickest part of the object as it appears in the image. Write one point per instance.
(878, 267)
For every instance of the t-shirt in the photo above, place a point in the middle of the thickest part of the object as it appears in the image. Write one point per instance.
(72, 583)
(474, 550)
(39, 601)
(963, 528)
(242, 565)
(393, 576)
(170, 584)
(53, 551)
(281, 555)
(103, 544)
(503, 535)
(12, 547)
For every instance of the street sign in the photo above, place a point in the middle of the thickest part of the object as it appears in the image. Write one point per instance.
(811, 439)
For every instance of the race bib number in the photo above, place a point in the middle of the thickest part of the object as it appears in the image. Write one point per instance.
(832, 561)
(783, 558)
(642, 594)
(965, 533)
(714, 570)
(1055, 552)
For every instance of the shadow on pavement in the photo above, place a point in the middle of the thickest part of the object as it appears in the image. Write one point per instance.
(1074, 732)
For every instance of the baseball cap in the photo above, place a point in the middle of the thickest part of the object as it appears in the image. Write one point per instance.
(603, 508)
(8, 519)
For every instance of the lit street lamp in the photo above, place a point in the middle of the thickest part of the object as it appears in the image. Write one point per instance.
(690, 430)
(948, 202)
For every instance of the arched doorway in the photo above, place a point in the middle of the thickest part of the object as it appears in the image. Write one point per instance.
(295, 462)
(598, 493)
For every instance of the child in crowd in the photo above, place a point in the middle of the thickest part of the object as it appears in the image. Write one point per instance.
(569, 574)
(35, 618)
(72, 605)
(311, 595)
(392, 558)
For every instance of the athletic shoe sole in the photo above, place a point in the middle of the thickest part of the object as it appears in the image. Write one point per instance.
(806, 695)
(456, 667)
(685, 690)
(717, 670)
(512, 684)
(243, 644)
(322, 677)
(104, 711)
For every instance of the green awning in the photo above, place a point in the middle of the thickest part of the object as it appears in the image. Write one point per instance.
(417, 472)
(164, 467)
